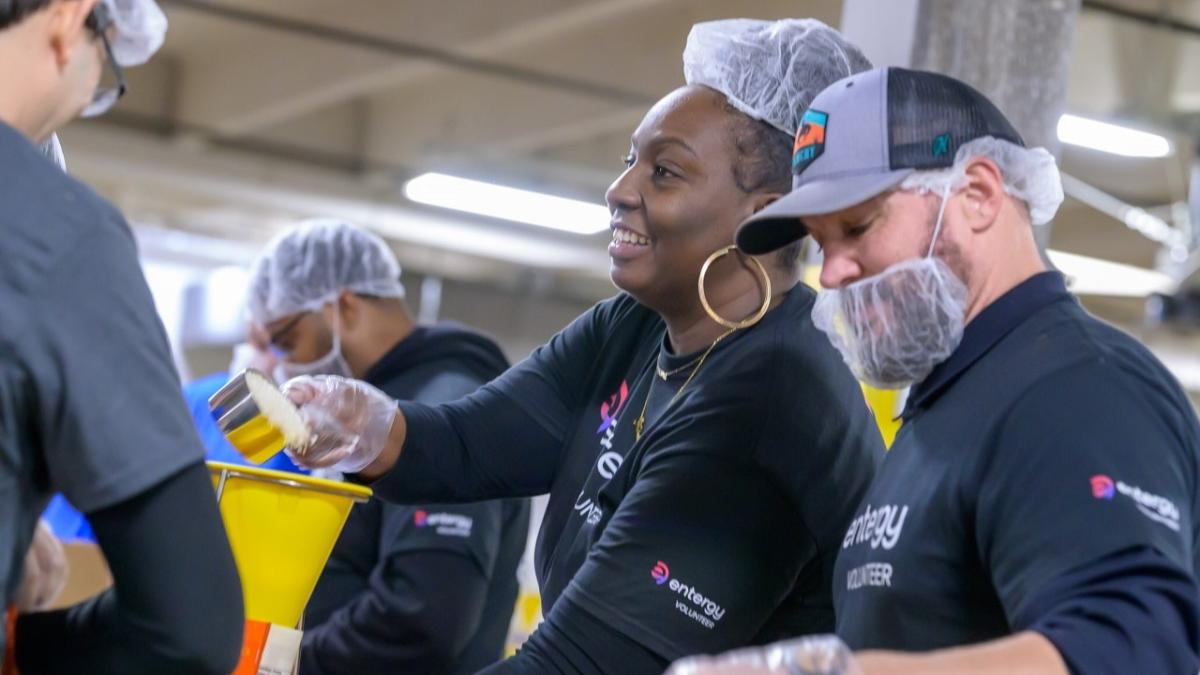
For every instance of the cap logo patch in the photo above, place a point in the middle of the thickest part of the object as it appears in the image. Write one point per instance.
(941, 145)
(810, 140)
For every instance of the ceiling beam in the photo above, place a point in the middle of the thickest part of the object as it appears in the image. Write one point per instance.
(150, 178)
(238, 94)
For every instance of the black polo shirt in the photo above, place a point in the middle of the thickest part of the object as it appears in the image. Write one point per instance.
(1047, 443)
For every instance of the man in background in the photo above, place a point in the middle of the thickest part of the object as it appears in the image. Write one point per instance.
(415, 589)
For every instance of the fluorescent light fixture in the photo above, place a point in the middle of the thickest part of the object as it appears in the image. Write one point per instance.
(507, 203)
(1093, 276)
(1111, 138)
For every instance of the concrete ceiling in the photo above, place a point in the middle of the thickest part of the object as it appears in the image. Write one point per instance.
(257, 112)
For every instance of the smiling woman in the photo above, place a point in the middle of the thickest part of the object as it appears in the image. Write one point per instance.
(663, 430)
(677, 201)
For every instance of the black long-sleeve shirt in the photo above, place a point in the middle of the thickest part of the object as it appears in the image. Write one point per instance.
(422, 588)
(175, 605)
(715, 529)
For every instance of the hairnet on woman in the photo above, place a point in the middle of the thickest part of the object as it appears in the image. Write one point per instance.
(702, 455)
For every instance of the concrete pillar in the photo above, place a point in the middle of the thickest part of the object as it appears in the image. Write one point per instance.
(884, 29)
(1016, 52)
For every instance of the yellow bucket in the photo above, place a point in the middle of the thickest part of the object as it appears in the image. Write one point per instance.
(282, 528)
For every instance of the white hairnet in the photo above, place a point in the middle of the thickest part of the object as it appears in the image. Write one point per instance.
(770, 70)
(309, 265)
(140, 27)
(1030, 175)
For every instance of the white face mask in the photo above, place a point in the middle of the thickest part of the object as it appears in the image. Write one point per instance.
(248, 356)
(332, 363)
(895, 327)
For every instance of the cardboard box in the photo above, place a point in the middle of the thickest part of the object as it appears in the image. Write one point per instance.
(87, 575)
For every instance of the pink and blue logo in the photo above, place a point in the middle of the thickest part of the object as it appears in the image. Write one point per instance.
(660, 573)
(1103, 487)
(421, 518)
(612, 407)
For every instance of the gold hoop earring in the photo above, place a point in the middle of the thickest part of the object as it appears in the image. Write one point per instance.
(745, 323)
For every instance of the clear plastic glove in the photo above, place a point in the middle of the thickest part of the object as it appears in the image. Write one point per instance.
(45, 573)
(816, 655)
(348, 422)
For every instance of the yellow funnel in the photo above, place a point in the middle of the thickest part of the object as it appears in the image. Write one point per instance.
(281, 527)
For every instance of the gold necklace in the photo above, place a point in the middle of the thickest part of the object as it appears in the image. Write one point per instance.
(640, 422)
(664, 374)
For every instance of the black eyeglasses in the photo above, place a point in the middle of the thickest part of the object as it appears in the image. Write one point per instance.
(112, 85)
(286, 328)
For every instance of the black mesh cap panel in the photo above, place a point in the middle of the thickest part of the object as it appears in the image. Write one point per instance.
(931, 115)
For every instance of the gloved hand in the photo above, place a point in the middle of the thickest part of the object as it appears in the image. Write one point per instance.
(815, 655)
(45, 572)
(348, 421)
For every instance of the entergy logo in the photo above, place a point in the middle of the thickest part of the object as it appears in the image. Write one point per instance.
(445, 524)
(1155, 507)
(612, 407)
(877, 526)
(1103, 487)
(703, 610)
(660, 573)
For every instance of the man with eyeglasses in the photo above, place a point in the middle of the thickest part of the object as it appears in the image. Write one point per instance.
(89, 398)
(420, 588)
